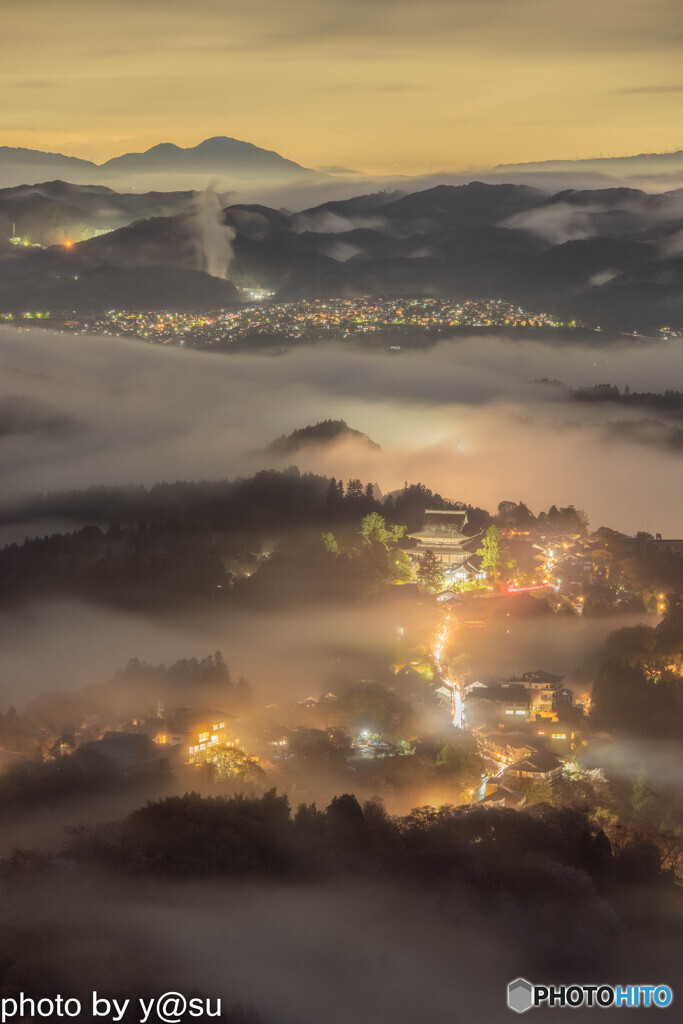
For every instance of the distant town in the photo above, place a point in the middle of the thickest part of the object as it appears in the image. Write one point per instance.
(338, 318)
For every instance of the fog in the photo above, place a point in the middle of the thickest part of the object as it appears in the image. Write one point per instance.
(289, 655)
(60, 645)
(464, 417)
(300, 955)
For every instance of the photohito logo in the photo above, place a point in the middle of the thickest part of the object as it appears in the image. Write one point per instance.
(522, 995)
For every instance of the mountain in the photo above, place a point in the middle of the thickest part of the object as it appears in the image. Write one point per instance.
(220, 156)
(27, 166)
(325, 432)
(614, 166)
(612, 256)
(100, 288)
(55, 212)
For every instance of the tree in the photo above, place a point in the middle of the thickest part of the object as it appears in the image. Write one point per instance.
(494, 554)
(430, 572)
(373, 527)
(330, 543)
(515, 515)
(333, 497)
(232, 763)
(459, 754)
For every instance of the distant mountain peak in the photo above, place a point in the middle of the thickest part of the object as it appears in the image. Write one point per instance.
(325, 432)
(219, 155)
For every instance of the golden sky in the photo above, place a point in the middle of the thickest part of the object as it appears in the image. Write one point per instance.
(363, 84)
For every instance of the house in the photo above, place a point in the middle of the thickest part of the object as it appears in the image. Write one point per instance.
(546, 693)
(559, 736)
(498, 796)
(277, 742)
(499, 703)
(128, 751)
(202, 731)
(468, 571)
(507, 747)
(541, 765)
(662, 546)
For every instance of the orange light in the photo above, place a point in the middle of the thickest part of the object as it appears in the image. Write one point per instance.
(67, 245)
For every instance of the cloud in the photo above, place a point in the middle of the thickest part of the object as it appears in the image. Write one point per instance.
(335, 169)
(601, 278)
(327, 222)
(650, 89)
(557, 223)
(463, 417)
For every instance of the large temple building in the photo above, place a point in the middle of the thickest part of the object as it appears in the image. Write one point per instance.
(442, 533)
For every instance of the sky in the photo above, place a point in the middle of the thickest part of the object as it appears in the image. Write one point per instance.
(358, 84)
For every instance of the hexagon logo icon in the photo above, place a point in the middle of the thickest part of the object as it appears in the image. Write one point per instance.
(520, 995)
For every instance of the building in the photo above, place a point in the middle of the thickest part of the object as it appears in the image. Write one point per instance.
(670, 548)
(507, 747)
(468, 571)
(193, 732)
(541, 765)
(203, 731)
(546, 693)
(498, 796)
(498, 703)
(559, 737)
(276, 742)
(128, 751)
(442, 533)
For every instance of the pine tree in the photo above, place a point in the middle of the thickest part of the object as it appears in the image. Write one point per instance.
(430, 572)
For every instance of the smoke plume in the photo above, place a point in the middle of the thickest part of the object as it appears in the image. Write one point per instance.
(214, 238)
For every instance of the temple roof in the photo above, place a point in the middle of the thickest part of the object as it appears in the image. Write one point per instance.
(440, 524)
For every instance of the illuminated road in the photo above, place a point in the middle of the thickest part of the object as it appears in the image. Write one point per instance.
(454, 684)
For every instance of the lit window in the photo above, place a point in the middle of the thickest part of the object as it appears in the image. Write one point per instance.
(221, 725)
(509, 712)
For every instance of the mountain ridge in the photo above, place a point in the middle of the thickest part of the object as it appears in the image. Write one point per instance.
(220, 154)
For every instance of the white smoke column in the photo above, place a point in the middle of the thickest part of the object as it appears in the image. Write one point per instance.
(214, 236)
